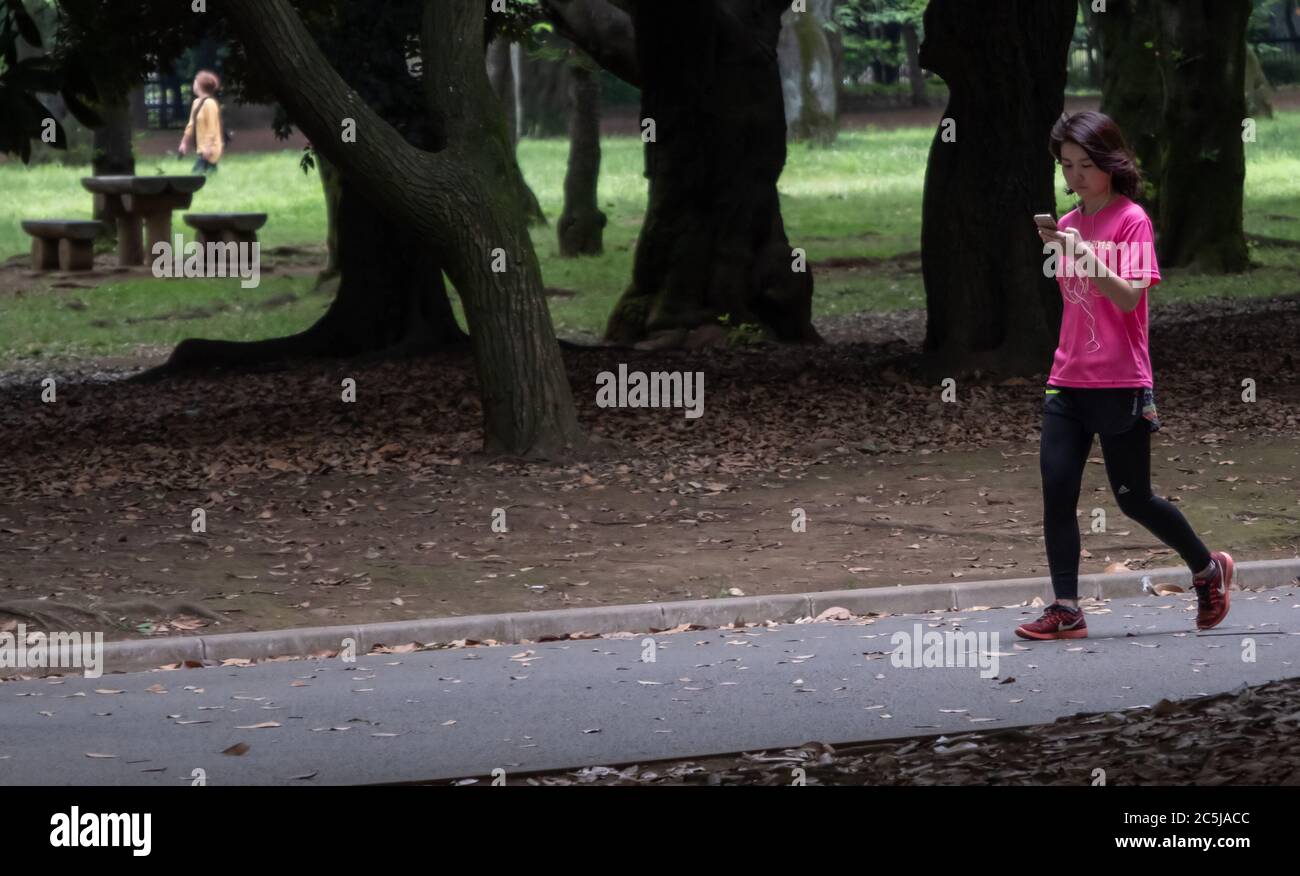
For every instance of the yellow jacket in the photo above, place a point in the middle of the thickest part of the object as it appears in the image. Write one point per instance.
(209, 141)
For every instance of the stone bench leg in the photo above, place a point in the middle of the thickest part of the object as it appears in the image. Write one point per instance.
(76, 255)
(159, 229)
(130, 240)
(45, 254)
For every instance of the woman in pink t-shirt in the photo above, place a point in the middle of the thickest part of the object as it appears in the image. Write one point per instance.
(1103, 256)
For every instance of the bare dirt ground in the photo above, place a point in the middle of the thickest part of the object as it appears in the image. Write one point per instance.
(320, 511)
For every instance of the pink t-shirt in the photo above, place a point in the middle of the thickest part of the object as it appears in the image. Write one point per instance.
(1101, 345)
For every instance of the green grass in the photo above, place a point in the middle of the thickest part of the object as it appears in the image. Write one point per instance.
(266, 183)
(129, 317)
(860, 197)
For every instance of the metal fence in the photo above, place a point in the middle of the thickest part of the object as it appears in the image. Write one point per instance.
(166, 102)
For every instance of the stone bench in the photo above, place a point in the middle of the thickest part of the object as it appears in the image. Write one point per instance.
(62, 244)
(226, 227)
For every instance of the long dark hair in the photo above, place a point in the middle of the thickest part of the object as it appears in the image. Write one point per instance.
(1098, 135)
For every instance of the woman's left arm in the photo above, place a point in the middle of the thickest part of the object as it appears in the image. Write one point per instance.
(1123, 293)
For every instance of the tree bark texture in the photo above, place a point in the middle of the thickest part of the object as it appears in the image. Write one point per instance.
(989, 172)
(713, 243)
(582, 226)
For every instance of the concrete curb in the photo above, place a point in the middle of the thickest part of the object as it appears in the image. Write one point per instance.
(137, 655)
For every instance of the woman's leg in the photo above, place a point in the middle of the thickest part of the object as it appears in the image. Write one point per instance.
(1062, 454)
(1128, 466)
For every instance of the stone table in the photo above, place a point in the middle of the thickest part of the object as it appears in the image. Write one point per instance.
(131, 201)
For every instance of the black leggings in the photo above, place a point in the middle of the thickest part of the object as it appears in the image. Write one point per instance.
(1070, 418)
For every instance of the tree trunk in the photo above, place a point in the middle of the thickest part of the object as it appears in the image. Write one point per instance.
(1132, 87)
(502, 75)
(988, 303)
(1258, 92)
(544, 94)
(500, 65)
(391, 300)
(449, 201)
(808, 74)
(1091, 42)
(836, 40)
(886, 74)
(1205, 164)
(1168, 66)
(915, 73)
(332, 186)
(582, 226)
(139, 109)
(713, 242)
(112, 154)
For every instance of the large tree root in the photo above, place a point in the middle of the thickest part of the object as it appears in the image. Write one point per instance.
(54, 615)
(198, 354)
(149, 608)
(66, 616)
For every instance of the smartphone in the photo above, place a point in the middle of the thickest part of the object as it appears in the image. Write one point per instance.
(1045, 220)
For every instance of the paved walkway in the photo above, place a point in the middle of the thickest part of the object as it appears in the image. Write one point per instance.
(465, 712)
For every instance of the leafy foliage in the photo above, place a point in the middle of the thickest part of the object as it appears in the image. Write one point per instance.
(105, 47)
(870, 29)
(22, 78)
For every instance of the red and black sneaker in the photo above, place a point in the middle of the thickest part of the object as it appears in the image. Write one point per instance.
(1057, 622)
(1212, 594)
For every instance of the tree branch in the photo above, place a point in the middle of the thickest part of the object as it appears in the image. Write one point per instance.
(456, 83)
(602, 30)
(318, 100)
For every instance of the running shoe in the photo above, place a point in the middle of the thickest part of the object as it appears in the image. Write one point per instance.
(1057, 622)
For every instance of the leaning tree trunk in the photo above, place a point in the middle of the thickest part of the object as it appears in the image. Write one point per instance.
(987, 301)
(915, 73)
(391, 300)
(582, 226)
(713, 243)
(450, 200)
(808, 74)
(1205, 163)
(1132, 87)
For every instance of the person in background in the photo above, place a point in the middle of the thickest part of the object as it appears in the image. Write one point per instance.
(205, 123)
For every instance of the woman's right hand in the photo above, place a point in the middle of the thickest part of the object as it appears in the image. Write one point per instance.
(1047, 235)
(184, 148)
